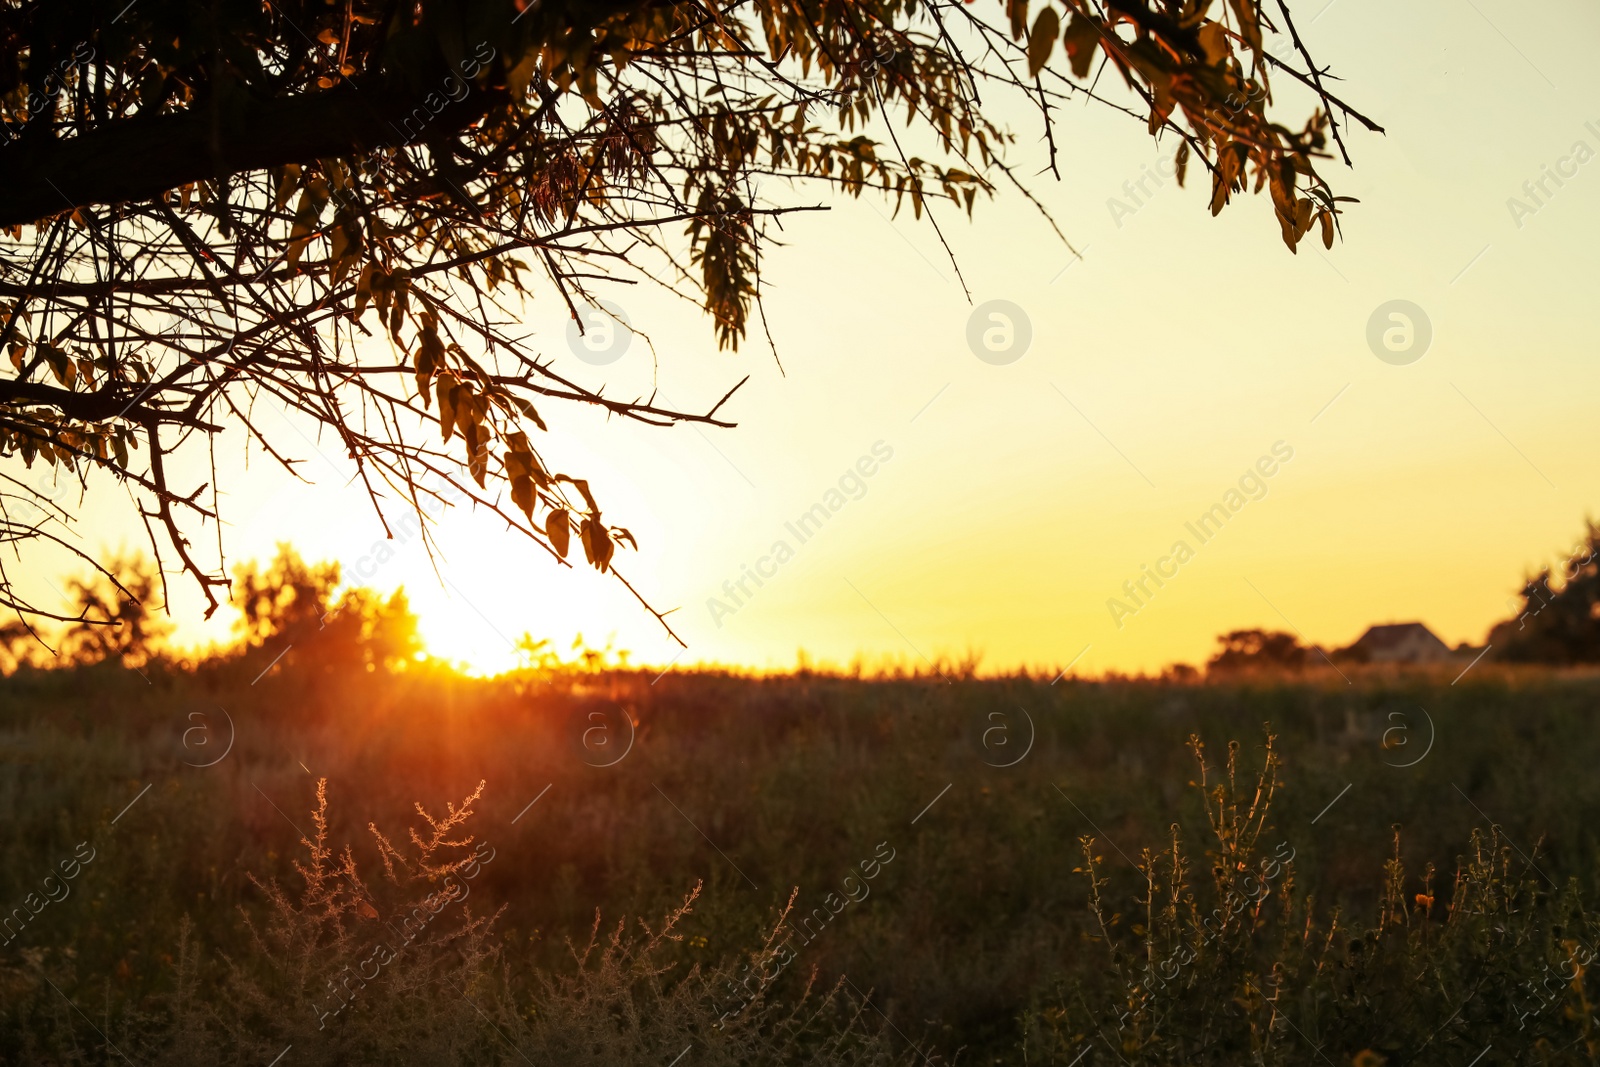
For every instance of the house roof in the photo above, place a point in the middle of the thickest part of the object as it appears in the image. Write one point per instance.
(1390, 635)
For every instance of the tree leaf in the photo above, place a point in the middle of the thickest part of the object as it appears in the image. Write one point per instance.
(527, 409)
(522, 494)
(597, 544)
(1082, 38)
(582, 485)
(287, 184)
(447, 411)
(1042, 40)
(1018, 10)
(469, 407)
(1213, 38)
(557, 530)
(60, 365)
(477, 452)
(586, 535)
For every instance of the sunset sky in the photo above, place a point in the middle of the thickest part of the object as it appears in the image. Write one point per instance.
(1016, 499)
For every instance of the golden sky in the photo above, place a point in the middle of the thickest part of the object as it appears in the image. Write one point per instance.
(1006, 504)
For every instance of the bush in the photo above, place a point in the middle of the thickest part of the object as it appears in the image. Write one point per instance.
(1242, 966)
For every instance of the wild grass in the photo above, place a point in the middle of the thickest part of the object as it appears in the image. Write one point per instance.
(562, 912)
(1240, 964)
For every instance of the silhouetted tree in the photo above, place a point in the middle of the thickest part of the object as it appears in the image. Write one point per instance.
(1180, 674)
(294, 608)
(1559, 617)
(18, 646)
(117, 617)
(287, 601)
(340, 208)
(368, 632)
(1257, 650)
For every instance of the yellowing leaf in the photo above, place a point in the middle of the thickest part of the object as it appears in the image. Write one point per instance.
(306, 215)
(1214, 42)
(1249, 21)
(597, 544)
(477, 454)
(1081, 39)
(522, 494)
(288, 183)
(60, 365)
(527, 410)
(556, 529)
(582, 485)
(468, 408)
(518, 77)
(447, 411)
(1018, 9)
(1042, 39)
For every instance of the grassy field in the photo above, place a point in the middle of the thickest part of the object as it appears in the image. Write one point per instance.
(804, 869)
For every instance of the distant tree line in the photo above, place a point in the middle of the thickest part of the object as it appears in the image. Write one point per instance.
(289, 606)
(299, 607)
(1556, 621)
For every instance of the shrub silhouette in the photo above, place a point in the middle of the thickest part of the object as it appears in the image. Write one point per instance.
(297, 606)
(117, 618)
(1558, 620)
(447, 992)
(1257, 650)
(1240, 966)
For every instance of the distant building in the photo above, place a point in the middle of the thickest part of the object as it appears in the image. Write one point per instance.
(1400, 642)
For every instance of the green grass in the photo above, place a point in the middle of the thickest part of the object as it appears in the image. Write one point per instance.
(192, 937)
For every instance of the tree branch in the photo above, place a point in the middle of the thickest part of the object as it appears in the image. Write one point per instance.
(142, 158)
